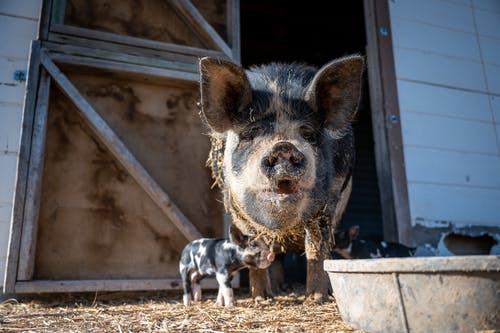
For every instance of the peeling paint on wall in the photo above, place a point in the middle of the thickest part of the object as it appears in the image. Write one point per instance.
(444, 238)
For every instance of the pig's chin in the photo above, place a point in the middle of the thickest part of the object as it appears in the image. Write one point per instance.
(278, 207)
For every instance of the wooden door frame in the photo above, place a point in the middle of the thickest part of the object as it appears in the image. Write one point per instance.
(386, 123)
(45, 56)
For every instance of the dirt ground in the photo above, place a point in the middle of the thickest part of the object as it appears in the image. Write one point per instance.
(164, 312)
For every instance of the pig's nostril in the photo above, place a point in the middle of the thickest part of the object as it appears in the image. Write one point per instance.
(296, 159)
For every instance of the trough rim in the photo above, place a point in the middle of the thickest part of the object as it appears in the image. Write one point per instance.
(469, 263)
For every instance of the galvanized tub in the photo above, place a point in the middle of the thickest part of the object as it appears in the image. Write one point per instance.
(431, 294)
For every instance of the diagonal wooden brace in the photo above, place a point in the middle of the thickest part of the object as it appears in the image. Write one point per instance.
(120, 151)
(201, 26)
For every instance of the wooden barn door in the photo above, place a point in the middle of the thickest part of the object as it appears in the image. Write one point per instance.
(112, 180)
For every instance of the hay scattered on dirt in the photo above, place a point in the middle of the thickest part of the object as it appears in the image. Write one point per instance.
(118, 312)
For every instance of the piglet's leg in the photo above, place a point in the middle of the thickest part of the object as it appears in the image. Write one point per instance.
(225, 289)
(220, 297)
(195, 286)
(196, 291)
(186, 286)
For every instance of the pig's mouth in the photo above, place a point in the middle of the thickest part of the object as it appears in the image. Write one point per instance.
(286, 186)
(283, 190)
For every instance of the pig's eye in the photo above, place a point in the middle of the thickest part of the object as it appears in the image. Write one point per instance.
(249, 134)
(253, 245)
(308, 134)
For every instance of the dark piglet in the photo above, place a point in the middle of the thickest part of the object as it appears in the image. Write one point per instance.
(348, 246)
(221, 258)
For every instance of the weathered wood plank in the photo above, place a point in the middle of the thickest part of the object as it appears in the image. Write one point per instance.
(426, 130)
(458, 204)
(119, 57)
(58, 11)
(22, 169)
(48, 286)
(140, 70)
(382, 158)
(438, 166)
(392, 121)
(233, 28)
(120, 151)
(187, 10)
(34, 184)
(184, 59)
(132, 41)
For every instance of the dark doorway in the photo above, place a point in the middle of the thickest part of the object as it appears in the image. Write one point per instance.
(294, 31)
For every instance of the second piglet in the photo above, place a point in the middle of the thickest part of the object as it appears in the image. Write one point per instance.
(348, 246)
(221, 258)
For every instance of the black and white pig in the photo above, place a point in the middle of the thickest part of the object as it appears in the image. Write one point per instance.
(221, 258)
(283, 152)
(348, 246)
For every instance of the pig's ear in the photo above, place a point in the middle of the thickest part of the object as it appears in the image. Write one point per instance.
(336, 90)
(225, 90)
(236, 236)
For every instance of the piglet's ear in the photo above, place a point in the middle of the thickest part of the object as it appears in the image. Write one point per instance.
(236, 236)
(336, 89)
(225, 90)
(354, 232)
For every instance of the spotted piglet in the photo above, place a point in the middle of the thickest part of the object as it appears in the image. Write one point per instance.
(221, 258)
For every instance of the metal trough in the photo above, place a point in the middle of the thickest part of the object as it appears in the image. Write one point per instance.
(431, 294)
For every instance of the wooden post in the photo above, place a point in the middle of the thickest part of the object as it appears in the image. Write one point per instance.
(386, 124)
(22, 169)
(45, 16)
(233, 28)
(120, 151)
(34, 184)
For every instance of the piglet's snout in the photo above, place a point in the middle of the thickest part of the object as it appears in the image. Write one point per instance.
(270, 257)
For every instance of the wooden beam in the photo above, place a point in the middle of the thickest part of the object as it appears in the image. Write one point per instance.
(45, 17)
(59, 286)
(58, 11)
(34, 184)
(65, 286)
(22, 169)
(233, 28)
(386, 124)
(194, 18)
(120, 151)
(132, 41)
(184, 59)
(120, 57)
(139, 70)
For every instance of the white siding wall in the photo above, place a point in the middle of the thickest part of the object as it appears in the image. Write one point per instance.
(18, 26)
(447, 57)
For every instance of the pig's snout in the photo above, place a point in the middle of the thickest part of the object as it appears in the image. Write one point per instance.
(284, 161)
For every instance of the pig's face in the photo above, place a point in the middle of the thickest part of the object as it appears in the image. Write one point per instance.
(280, 124)
(270, 167)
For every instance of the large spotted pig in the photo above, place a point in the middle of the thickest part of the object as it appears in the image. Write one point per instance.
(282, 152)
(221, 258)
